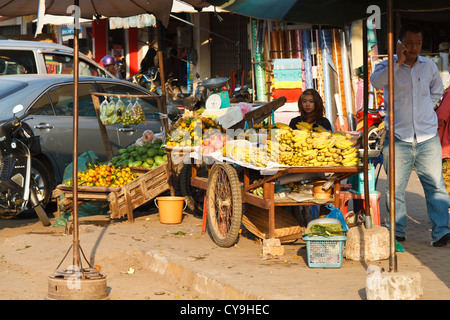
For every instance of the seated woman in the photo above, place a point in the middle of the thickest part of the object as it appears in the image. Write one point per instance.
(311, 108)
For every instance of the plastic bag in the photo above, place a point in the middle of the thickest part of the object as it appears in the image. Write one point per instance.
(335, 213)
(119, 110)
(134, 114)
(107, 111)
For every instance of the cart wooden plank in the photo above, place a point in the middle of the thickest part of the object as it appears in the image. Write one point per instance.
(261, 113)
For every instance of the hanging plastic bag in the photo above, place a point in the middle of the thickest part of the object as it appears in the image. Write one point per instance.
(119, 110)
(102, 111)
(335, 213)
(107, 111)
(134, 114)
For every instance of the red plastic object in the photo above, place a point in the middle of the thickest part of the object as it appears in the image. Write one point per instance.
(374, 203)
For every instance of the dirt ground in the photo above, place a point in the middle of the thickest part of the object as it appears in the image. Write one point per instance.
(21, 240)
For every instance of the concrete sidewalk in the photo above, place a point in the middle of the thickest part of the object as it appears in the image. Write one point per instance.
(182, 253)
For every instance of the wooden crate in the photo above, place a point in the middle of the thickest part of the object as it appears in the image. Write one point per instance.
(122, 200)
(287, 228)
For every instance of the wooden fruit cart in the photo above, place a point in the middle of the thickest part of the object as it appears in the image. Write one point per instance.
(225, 197)
(121, 200)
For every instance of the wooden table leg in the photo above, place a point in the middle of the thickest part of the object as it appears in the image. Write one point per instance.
(337, 193)
(269, 192)
(171, 173)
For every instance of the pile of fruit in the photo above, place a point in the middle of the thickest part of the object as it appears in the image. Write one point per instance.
(190, 129)
(315, 147)
(104, 175)
(149, 156)
(303, 146)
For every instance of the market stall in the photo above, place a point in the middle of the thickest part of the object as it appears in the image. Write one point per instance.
(241, 168)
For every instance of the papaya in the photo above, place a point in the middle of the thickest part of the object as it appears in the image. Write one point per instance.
(131, 148)
(115, 159)
(152, 153)
(142, 150)
(137, 164)
(125, 156)
(150, 161)
(121, 151)
(162, 151)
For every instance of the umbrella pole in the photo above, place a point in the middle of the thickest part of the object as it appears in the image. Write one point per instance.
(391, 173)
(76, 282)
(368, 215)
(76, 241)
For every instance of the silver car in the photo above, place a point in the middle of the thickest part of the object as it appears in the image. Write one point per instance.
(18, 57)
(48, 103)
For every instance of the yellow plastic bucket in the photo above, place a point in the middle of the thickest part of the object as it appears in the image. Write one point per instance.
(170, 209)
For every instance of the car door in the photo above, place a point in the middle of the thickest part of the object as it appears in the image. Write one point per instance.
(128, 134)
(55, 125)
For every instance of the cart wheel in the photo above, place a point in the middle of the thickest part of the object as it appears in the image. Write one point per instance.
(195, 197)
(224, 205)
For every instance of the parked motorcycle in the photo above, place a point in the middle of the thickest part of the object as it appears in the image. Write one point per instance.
(241, 94)
(18, 188)
(147, 79)
(375, 123)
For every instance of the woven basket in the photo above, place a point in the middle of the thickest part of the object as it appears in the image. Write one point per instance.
(287, 228)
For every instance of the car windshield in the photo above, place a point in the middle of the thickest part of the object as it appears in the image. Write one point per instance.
(17, 62)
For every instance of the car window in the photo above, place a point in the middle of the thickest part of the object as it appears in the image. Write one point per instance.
(17, 62)
(149, 105)
(62, 100)
(58, 63)
(42, 106)
(63, 64)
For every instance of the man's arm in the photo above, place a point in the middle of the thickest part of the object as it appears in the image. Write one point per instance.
(436, 86)
(379, 77)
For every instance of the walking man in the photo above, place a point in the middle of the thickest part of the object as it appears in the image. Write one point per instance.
(418, 87)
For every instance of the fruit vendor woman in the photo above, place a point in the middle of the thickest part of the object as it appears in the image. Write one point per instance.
(310, 105)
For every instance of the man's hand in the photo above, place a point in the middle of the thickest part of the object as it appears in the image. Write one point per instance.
(401, 53)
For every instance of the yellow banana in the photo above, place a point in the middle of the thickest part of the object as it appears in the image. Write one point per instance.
(349, 151)
(281, 125)
(349, 158)
(304, 126)
(343, 144)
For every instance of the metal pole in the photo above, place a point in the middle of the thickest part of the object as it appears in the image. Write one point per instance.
(368, 216)
(76, 241)
(162, 77)
(391, 173)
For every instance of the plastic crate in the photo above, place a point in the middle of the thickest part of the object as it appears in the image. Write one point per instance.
(325, 252)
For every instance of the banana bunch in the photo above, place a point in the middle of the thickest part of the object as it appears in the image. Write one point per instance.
(303, 146)
(317, 147)
(258, 191)
(251, 154)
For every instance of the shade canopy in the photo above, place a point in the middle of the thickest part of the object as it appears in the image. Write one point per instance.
(323, 12)
(88, 8)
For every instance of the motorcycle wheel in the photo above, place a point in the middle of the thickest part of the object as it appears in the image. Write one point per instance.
(375, 137)
(43, 186)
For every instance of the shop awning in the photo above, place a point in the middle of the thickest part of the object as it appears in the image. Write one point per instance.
(149, 20)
